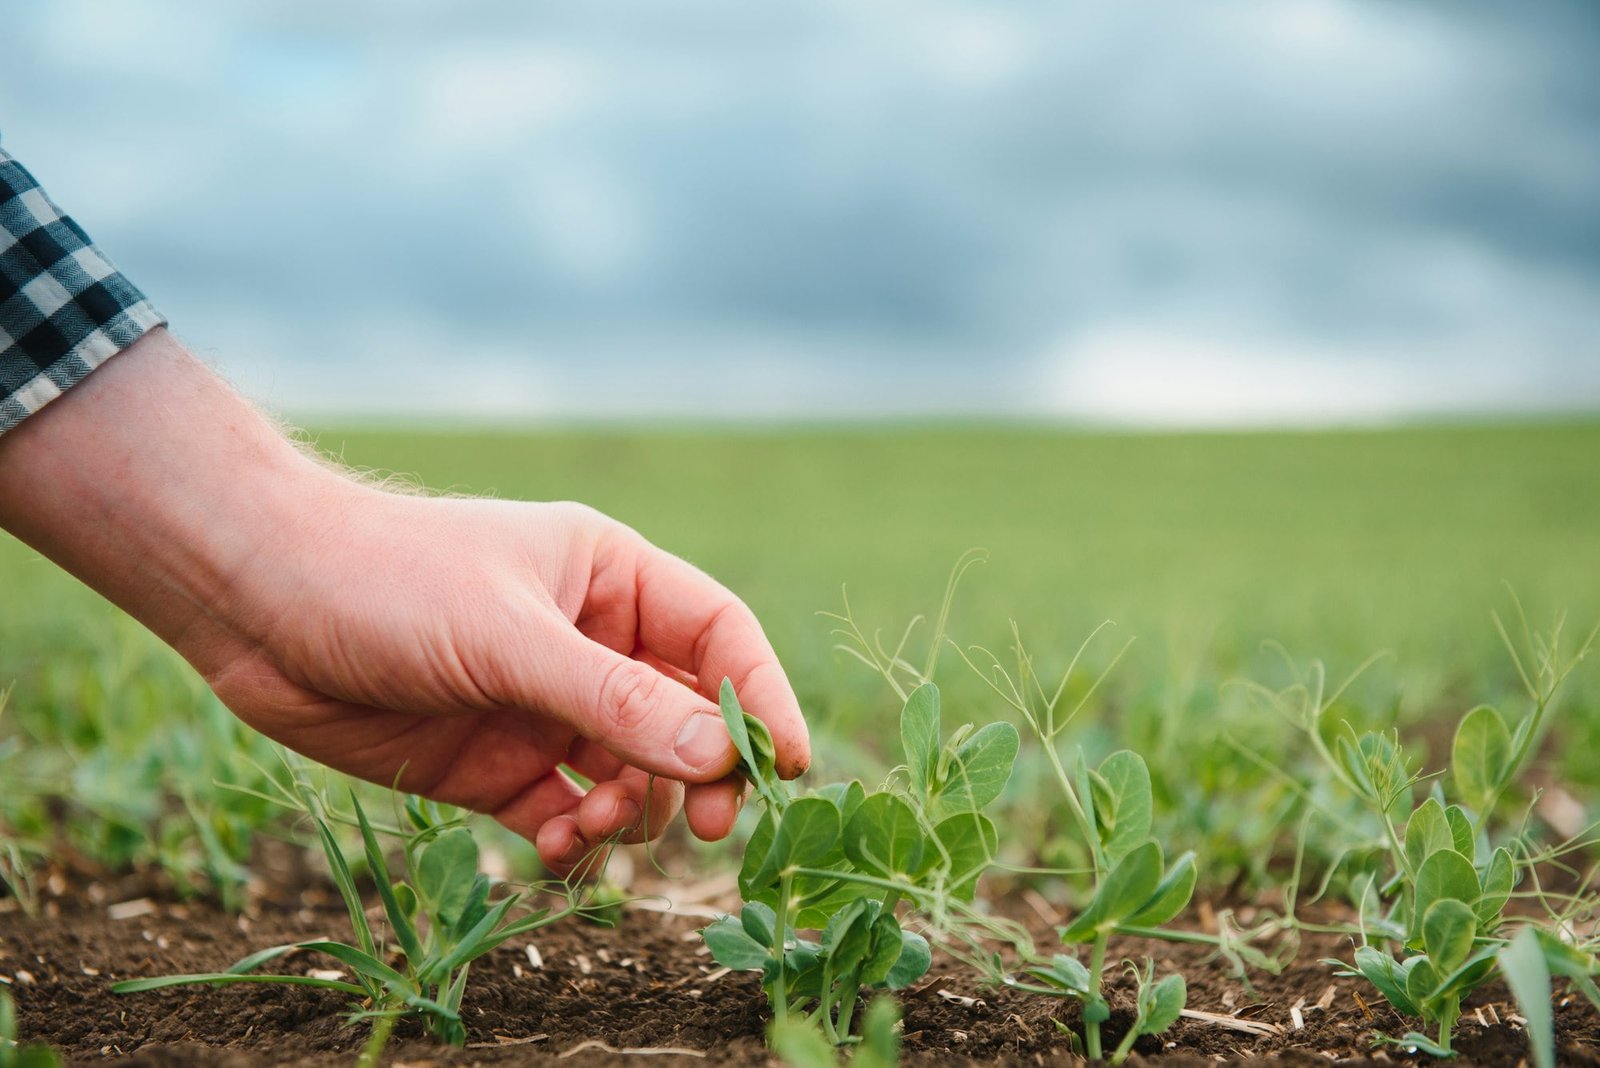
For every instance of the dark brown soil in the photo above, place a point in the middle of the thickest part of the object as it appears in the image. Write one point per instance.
(648, 987)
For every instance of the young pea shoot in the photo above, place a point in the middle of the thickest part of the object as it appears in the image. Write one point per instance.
(1443, 900)
(840, 860)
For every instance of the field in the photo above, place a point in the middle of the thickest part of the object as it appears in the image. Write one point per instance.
(1233, 562)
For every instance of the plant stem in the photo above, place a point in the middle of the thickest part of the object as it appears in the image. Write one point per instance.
(1096, 1000)
(825, 1009)
(1447, 1023)
(780, 947)
(377, 1040)
(1124, 1047)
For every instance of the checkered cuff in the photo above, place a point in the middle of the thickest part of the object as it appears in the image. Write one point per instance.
(64, 309)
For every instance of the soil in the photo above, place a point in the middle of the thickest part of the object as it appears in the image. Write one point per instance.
(647, 992)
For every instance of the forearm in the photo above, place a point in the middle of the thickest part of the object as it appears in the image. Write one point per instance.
(156, 484)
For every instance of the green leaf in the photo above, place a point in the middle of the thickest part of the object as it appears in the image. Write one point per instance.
(134, 986)
(1422, 979)
(880, 1046)
(1448, 928)
(1161, 1003)
(1122, 802)
(1381, 970)
(766, 753)
(913, 962)
(733, 719)
(798, 1040)
(260, 957)
(732, 946)
(919, 735)
(363, 963)
(1427, 832)
(888, 942)
(971, 841)
(848, 937)
(1122, 893)
(808, 829)
(446, 870)
(410, 944)
(759, 922)
(341, 874)
(1170, 897)
(1565, 960)
(979, 769)
(1065, 972)
(1479, 757)
(884, 837)
(755, 852)
(1461, 836)
(1417, 1042)
(1445, 874)
(407, 899)
(473, 944)
(846, 797)
(1499, 878)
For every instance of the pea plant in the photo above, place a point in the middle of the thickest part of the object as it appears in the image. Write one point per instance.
(440, 912)
(839, 860)
(1433, 907)
(1135, 890)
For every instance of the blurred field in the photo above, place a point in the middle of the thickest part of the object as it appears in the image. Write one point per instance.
(1200, 547)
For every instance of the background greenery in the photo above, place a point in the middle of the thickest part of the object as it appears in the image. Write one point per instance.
(1199, 547)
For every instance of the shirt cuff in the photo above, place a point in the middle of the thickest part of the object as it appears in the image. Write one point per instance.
(64, 308)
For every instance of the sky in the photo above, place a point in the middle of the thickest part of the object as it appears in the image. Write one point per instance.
(1165, 213)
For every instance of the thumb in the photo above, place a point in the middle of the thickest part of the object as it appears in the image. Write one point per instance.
(645, 718)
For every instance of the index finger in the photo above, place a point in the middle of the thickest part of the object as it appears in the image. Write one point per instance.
(696, 624)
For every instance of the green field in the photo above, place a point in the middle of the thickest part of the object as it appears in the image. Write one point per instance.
(1199, 547)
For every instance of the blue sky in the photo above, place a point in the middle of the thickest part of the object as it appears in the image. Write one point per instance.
(1164, 213)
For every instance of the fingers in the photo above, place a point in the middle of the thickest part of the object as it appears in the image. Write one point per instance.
(632, 710)
(566, 824)
(712, 808)
(635, 805)
(693, 623)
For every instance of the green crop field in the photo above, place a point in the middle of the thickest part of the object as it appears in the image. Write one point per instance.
(1223, 588)
(1200, 547)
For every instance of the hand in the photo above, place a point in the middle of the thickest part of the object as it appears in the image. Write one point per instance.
(466, 648)
(470, 647)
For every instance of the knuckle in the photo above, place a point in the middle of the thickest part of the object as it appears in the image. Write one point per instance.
(631, 697)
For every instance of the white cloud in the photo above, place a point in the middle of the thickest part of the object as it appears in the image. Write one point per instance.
(483, 96)
(1143, 377)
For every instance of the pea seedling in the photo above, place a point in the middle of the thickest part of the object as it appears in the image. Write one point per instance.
(839, 859)
(440, 914)
(1444, 898)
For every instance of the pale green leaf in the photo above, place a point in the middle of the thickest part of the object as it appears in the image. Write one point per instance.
(1122, 893)
(1427, 832)
(979, 769)
(1479, 757)
(1448, 928)
(884, 837)
(1523, 962)
(1123, 802)
(919, 735)
(732, 946)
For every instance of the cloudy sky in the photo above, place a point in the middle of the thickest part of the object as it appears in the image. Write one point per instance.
(1163, 213)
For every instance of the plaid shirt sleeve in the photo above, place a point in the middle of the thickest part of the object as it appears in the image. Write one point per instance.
(64, 309)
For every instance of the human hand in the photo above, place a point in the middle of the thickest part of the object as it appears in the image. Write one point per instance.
(465, 649)
(470, 647)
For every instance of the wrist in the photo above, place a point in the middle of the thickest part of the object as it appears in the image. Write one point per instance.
(158, 486)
